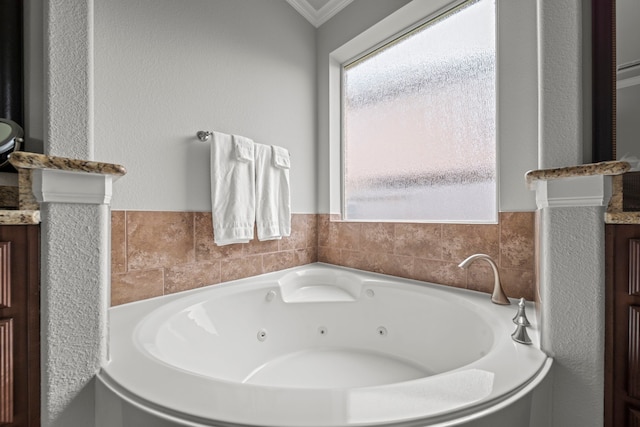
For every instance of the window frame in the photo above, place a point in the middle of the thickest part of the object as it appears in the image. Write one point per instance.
(441, 8)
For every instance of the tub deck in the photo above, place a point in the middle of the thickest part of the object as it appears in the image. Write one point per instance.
(274, 351)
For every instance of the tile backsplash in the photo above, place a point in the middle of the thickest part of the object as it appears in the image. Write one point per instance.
(432, 252)
(156, 253)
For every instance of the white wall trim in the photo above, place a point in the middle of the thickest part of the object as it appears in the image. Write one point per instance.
(628, 82)
(318, 17)
(56, 186)
(517, 117)
(578, 191)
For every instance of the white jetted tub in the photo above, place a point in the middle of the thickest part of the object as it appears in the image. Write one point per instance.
(319, 345)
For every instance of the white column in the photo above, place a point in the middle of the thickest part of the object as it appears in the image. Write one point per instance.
(572, 294)
(75, 237)
(560, 83)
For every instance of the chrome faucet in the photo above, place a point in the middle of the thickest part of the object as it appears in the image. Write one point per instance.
(498, 296)
(520, 334)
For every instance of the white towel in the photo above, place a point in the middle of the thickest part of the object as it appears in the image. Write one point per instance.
(243, 148)
(273, 199)
(232, 189)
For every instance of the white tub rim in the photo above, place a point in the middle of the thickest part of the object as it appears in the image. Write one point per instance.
(533, 374)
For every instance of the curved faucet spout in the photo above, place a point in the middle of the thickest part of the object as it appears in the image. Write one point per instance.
(498, 296)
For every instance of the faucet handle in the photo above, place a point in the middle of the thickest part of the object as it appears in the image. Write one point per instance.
(520, 335)
(521, 317)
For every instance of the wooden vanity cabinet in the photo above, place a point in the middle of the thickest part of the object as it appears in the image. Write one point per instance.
(19, 326)
(622, 328)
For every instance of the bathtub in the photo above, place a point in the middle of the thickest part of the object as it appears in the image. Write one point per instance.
(319, 345)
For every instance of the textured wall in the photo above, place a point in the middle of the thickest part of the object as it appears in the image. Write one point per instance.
(571, 239)
(156, 253)
(560, 83)
(68, 115)
(166, 69)
(572, 301)
(74, 250)
(74, 295)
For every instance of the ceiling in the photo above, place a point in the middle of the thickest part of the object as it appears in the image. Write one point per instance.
(318, 11)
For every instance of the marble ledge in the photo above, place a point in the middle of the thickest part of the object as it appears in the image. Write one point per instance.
(617, 217)
(615, 213)
(19, 217)
(591, 169)
(40, 178)
(25, 160)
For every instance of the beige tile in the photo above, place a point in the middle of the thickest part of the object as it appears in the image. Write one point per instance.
(376, 237)
(344, 235)
(205, 248)
(401, 266)
(439, 272)
(238, 268)
(298, 237)
(394, 265)
(517, 240)
(518, 283)
(419, 240)
(332, 238)
(329, 255)
(323, 254)
(536, 257)
(461, 240)
(175, 251)
(311, 231)
(313, 252)
(323, 230)
(190, 276)
(279, 261)
(256, 247)
(306, 256)
(515, 283)
(480, 277)
(136, 286)
(159, 239)
(353, 259)
(118, 242)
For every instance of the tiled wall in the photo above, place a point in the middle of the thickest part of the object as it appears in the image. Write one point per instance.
(432, 252)
(157, 253)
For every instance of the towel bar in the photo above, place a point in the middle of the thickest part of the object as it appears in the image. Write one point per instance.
(204, 135)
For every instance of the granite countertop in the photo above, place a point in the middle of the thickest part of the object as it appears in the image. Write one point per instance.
(19, 217)
(18, 205)
(614, 213)
(25, 160)
(602, 168)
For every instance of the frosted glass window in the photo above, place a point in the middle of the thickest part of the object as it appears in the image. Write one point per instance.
(419, 123)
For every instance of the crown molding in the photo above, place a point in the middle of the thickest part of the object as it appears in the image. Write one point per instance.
(578, 191)
(58, 186)
(318, 17)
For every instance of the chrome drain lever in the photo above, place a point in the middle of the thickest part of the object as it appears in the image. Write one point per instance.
(520, 335)
(521, 316)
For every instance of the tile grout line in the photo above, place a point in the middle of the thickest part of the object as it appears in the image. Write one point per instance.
(126, 242)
